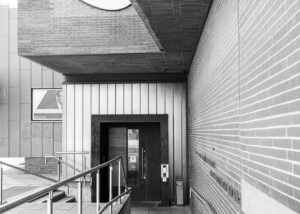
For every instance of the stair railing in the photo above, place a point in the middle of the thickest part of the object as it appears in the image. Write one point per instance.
(22, 170)
(60, 162)
(49, 190)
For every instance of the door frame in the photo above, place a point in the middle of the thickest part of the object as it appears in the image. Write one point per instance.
(95, 143)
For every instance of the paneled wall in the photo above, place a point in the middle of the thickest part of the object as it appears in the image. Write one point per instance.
(244, 107)
(19, 136)
(84, 100)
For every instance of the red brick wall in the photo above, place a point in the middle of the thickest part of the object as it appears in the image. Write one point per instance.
(244, 102)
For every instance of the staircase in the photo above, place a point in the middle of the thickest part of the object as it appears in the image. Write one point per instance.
(59, 196)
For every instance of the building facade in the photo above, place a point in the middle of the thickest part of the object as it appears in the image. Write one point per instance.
(203, 94)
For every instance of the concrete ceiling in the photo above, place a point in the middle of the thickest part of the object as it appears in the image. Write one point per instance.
(174, 25)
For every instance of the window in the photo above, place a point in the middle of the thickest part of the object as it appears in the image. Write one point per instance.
(46, 104)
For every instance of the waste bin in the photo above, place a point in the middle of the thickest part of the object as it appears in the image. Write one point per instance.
(179, 192)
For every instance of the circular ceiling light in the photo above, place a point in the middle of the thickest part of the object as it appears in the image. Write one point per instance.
(108, 4)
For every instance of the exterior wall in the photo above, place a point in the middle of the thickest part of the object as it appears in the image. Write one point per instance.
(84, 100)
(38, 165)
(19, 136)
(54, 27)
(243, 104)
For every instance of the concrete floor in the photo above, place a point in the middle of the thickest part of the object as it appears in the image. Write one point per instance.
(160, 210)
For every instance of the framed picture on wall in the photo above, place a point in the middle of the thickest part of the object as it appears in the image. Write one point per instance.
(46, 104)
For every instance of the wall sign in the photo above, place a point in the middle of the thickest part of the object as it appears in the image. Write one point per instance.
(108, 4)
(46, 104)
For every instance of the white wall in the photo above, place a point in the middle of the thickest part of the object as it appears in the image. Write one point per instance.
(255, 201)
(83, 100)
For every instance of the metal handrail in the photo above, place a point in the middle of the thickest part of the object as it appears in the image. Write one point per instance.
(63, 162)
(74, 153)
(113, 200)
(27, 171)
(204, 202)
(53, 187)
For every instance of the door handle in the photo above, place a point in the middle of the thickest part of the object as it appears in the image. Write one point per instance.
(143, 163)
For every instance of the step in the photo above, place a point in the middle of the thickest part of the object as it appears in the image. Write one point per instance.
(57, 195)
(67, 199)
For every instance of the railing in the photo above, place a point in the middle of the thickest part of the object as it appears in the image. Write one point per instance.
(207, 206)
(96, 170)
(20, 169)
(59, 161)
(67, 164)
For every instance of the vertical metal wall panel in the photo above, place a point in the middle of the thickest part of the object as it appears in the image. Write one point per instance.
(47, 78)
(127, 98)
(25, 92)
(170, 112)
(152, 98)
(161, 98)
(70, 127)
(144, 98)
(177, 133)
(37, 139)
(13, 30)
(136, 98)
(14, 71)
(57, 127)
(36, 75)
(103, 99)
(26, 147)
(17, 76)
(79, 123)
(87, 120)
(4, 147)
(47, 139)
(95, 99)
(111, 99)
(119, 99)
(14, 111)
(14, 139)
(64, 126)
(184, 142)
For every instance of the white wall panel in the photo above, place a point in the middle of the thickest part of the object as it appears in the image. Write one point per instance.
(78, 124)
(136, 98)
(154, 98)
(119, 99)
(144, 99)
(127, 98)
(103, 99)
(95, 99)
(111, 101)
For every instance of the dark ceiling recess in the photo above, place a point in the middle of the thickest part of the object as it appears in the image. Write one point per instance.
(174, 25)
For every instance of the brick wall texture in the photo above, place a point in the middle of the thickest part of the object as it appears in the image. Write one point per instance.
(244, 103)
(38, 165)
(56, 27)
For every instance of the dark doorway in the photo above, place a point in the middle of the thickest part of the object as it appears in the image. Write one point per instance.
(139, 144)
(142, 140)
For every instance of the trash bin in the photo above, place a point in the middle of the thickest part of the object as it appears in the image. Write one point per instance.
(179, 192)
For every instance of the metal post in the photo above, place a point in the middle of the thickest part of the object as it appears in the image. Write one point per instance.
(79, 197)
(58, 171)
(98, 191)
(1, 184)
(84, 160)
(49, 203)
(110, 183)
(119, 180)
